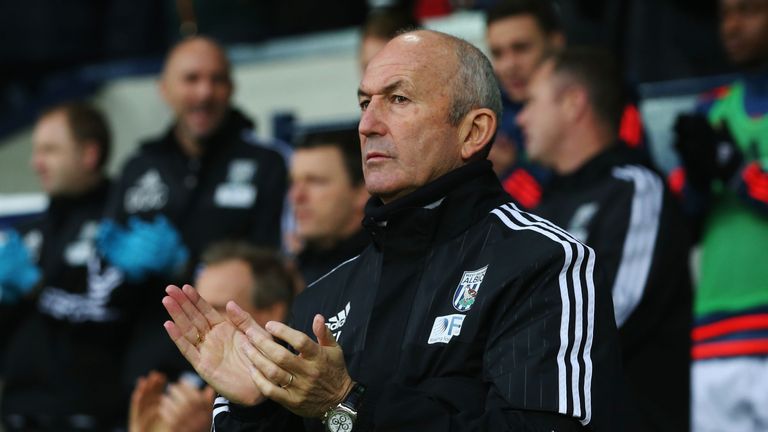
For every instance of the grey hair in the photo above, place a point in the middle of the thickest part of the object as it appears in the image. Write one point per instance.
(474, 85)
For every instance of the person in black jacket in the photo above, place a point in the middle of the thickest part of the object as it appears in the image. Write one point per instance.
(206, 179)
(464, 314)
(327, 196)
(611, 198)
(206, 174)
(65, 333)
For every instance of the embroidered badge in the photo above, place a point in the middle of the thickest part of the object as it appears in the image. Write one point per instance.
(466, 292)
(148, 193)
(238, 191)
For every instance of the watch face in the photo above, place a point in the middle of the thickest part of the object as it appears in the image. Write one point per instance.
(340, 421)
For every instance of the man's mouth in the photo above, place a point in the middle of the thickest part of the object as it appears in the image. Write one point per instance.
(375, 157)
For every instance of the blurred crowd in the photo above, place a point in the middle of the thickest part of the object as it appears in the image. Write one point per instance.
(82, 343)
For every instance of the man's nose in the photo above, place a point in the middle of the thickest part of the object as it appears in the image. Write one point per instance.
(296, 193)
(204, 88)
(371, 122)
(507, 63)
(36, 162)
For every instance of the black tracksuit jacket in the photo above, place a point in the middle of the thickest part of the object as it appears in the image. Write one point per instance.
(65, 346)
(464, 314)
(617, 204)
(234, 191)
(314, 262)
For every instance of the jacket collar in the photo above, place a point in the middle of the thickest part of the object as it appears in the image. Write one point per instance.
(438, 210)
(65, 204)
(598, 167)
(347, 247)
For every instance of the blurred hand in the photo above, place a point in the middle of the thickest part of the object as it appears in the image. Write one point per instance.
(308, 384)
(211, 345)
(187, 409)
(144, 412)
(143, 248)
(18, 274)
(707, 153)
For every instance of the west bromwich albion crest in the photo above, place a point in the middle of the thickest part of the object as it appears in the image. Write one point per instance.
(466, 292)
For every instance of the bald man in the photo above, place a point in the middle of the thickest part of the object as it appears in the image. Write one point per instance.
(465, 314)
(204, 180)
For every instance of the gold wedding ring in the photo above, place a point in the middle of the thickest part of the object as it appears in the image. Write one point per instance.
(290, 380)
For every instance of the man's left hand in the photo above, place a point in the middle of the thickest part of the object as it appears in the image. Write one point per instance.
(308, 383)
(185, 408)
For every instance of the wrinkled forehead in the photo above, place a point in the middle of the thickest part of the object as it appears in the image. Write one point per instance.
(414, 59)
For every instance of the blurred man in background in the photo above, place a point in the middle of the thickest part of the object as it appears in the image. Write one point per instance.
(520, 34)
(379, 28)
(328, 197)
(724, 185)
(205, 179)
(610, 198)
(64, 343)
(255, 278)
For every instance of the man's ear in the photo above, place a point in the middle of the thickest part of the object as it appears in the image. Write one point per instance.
(476, 131)
(91, 155)
(575, 102)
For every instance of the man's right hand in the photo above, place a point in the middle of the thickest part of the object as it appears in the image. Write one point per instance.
(211, 345)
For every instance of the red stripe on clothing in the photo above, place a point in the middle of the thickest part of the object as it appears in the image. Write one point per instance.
(524, 188)
(759, 195)
(527, 179)
(757, 182)
(731, 325)
(730, 349)
(676, 181)
(631, 127)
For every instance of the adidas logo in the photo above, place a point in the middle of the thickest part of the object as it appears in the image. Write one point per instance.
(336, 322)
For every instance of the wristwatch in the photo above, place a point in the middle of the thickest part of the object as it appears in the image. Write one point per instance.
(342, 417)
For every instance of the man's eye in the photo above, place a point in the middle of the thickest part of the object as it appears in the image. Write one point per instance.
(399, 99)
(364, 104)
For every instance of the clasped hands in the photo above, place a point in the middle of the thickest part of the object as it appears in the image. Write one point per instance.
(243, 361)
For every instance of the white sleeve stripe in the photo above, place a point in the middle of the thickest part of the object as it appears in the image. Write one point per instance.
(548, 230)
(220, 410)
(565, 310)
(590, 282)
(220, 405)
(640, 241)
(578, 305)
